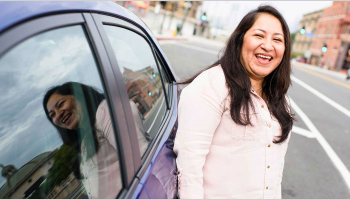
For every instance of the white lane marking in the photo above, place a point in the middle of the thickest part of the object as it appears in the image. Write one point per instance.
(156, 116)
(197, 48)
(330, 152)
(303, 132)
(321, 96)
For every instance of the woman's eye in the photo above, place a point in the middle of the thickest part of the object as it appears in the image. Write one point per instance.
(61, 104)
(52, 115)
(260, 36)
(279, 40)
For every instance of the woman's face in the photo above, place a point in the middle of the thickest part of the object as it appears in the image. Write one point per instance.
(63, 111)
(263, 47)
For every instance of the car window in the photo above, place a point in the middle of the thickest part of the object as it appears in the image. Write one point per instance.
(165, 79)
(142, 81)
(57, 139)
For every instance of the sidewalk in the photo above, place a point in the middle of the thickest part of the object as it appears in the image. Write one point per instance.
(341, 75)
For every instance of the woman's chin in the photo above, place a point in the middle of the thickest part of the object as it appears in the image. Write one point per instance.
(262, 73)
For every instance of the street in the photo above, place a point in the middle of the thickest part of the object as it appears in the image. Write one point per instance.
(317, 163)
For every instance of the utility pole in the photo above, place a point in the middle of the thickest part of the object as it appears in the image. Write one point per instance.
(326, 37)
(187, 8)
(165, 9)
(175, 4)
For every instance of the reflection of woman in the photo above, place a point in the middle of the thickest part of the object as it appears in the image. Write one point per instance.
(234, 120)
(81, 116)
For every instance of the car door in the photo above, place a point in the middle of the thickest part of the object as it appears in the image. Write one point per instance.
(145, 79)
(37, 159)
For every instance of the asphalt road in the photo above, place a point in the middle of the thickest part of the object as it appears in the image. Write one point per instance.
(317, 163)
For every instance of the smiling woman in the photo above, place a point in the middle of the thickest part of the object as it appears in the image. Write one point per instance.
(234, 119)
(80, 114)
(49, 164)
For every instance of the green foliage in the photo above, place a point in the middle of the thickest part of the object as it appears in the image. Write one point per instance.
(292, 35)
(296, 54)
(63, 159)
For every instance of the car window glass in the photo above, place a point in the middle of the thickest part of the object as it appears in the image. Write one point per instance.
(57, 139)
(165, 80)
(142, 81)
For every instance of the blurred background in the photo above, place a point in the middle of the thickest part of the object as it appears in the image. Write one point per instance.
(192, 34)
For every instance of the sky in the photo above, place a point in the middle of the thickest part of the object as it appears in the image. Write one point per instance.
(227, 14)
(55, 57)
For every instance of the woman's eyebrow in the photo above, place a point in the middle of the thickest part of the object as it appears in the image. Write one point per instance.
(265, 31)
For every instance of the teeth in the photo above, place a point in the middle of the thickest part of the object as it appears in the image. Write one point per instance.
(65, 119)
(268, 57)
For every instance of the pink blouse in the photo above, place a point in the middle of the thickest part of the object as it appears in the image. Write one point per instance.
(217, 158)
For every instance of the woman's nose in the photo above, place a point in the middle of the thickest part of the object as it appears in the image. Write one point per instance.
(267, 45)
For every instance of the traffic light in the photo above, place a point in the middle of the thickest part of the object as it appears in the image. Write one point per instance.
(204, 17)
(302, 31)
(324, 48)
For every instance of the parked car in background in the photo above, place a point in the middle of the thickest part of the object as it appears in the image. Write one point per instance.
(104, 46)
(301, 59)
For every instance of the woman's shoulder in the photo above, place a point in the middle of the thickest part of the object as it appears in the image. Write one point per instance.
(207, 76)
(102, 114)
(210, 82)
(102, 109)
(213, 77)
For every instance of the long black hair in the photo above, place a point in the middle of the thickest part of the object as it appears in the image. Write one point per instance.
(90, 99)
(275, 85)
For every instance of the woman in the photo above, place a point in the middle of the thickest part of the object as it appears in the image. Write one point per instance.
(81, 116)
(234, 120)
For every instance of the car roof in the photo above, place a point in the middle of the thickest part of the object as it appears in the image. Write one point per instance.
(14, 12)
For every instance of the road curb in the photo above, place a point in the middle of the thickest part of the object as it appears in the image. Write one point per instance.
(340, 74)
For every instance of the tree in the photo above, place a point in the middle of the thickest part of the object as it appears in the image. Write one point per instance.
(61, 168)
(292, 35)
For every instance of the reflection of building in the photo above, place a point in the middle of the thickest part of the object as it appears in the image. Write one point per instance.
(302, 42)
(143, 87)
(333, 30)
(26, 181)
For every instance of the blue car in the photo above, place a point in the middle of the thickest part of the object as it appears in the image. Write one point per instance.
(88, 104)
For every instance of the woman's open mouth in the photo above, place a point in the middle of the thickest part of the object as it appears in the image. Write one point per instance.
(66, 118)
(263, 58)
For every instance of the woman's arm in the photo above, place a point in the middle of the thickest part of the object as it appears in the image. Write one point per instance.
(200, 111)
(278, 190)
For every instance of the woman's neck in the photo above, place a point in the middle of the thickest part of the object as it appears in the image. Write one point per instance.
(257, 86)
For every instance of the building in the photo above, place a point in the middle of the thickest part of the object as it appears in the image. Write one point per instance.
(302, 42)
(333, 32)
(27, 182)
(143, 87)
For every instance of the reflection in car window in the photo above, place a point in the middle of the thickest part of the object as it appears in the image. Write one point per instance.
(56, 134)
(165, 79)
(142, 80)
